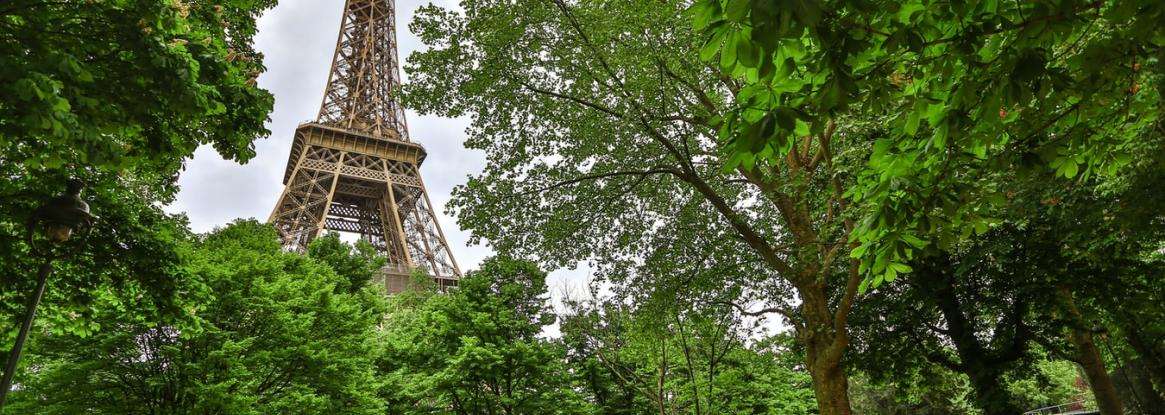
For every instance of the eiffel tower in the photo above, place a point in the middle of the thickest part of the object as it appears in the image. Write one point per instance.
(354, 169)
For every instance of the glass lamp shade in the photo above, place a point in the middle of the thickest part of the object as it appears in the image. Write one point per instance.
(58, 232)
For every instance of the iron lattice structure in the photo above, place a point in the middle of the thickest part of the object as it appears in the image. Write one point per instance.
(354, 169)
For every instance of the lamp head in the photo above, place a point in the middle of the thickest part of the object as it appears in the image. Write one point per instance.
(65, 214)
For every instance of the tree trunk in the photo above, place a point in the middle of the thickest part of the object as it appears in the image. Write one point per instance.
(985, 373)
(823, 353)
(1088, 355)
(831, 388)
(1148, 400)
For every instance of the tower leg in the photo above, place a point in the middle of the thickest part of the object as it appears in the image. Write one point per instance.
(303, 206)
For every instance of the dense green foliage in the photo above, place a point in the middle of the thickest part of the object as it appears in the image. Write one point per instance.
(586, 113)
(811, 151)
(965, 88)
(118, 94)
(128, 85)
(638, 360)
(269, 332)
(476, 350)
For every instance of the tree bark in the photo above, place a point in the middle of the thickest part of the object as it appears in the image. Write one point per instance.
(823, 352)
(832, 389)
(1088, 355)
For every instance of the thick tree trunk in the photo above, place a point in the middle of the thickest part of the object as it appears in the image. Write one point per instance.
(1088, 355)
(986, 374)
(831, 388)
(1098, 379)
(823, 353)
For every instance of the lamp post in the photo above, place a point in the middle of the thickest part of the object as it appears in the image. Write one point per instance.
(59, 218)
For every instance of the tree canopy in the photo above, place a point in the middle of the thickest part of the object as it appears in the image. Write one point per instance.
(268, 332)
(117, 94)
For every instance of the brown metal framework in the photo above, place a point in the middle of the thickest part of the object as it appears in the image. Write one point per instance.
(355, 170)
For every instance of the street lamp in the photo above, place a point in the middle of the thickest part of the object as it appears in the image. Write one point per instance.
(59, 218)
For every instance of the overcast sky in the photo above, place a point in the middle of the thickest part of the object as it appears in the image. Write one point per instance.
(298, 38)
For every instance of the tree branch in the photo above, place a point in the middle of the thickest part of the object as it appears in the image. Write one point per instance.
(597, 176)
(577, 100)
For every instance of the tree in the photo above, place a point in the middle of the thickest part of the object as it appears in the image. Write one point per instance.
(993, 295)
(964, 89)
(920, 389)
(598, 121)
(117, 94)
(475, 349)
(129, 86)
(269, 332)
(134, 251)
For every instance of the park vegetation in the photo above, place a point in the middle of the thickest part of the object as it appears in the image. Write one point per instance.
(789, 207)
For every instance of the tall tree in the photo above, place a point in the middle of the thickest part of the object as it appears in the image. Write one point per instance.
(994, 294)
(977, 311)
(966, 88)
(269, 332)
(358, 263)
(598, 123)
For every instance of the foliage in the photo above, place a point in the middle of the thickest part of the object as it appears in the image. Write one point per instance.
(636, 360)
(970, 159)
(269, 333)
(1050, 383)
(924, 389)
(475, 349)
(928, 388)
(964, 88)
(357, 263)
(132, 253)
(128, 85)
(118, 94)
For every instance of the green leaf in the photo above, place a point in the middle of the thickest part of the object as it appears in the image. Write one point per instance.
(711, 47)
(737, 10)
(939, 138)
(802, 128)
(1069, 169)
(728, 53)
(703, 12)
(746, 52)
(913, 118)
(908, 10)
